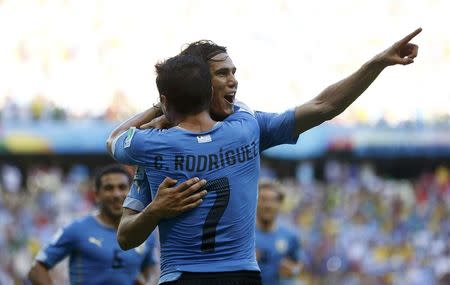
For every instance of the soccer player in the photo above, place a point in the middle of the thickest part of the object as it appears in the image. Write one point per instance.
(91, 244)
(213, 243)
(277, 245)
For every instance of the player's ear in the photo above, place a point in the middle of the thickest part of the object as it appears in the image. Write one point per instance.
(164, 103)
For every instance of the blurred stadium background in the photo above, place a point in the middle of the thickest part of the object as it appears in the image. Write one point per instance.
(369, 191)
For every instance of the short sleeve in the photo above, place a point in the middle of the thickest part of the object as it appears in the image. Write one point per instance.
(62, 244)
(140, 194)
(128, 147)
(276, 129)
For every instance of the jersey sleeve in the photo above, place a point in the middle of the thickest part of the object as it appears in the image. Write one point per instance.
(276, 129)
(140, 194)
(131, 146)
(62, 244)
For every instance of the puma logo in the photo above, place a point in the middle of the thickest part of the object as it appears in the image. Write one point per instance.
(95, 241)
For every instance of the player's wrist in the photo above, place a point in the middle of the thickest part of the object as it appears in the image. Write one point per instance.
(154, 212)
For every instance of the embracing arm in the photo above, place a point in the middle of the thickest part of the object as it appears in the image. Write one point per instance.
(135, 227)
(135, 121)
(336, 98)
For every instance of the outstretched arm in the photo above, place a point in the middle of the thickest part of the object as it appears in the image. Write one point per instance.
(336, 98)
(170, 200)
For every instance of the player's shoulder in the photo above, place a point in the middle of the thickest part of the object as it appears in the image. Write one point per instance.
(139, 136)
(72, 230)
(240, 106)
(81, 223)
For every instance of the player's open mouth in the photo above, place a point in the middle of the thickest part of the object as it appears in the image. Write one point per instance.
(230, 97)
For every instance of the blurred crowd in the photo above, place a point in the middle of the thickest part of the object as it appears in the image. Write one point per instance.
(355, 226)
(359, 228)
(41, 108)
(76, 58)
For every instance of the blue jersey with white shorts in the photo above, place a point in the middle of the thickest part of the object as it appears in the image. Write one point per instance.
(217, 236)
(272, 247)
(95, 255)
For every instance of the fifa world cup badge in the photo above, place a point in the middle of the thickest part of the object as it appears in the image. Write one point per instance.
(130, 134)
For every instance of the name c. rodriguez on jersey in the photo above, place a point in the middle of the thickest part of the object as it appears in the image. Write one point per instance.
(212, 161)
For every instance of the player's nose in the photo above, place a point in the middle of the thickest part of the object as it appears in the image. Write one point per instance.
(232, 81)
(117, 191)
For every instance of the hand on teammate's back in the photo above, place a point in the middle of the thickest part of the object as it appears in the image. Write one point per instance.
(171, 200)
(402, 52)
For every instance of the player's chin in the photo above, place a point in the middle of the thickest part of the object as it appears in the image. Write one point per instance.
(116, 212)
(220, 111)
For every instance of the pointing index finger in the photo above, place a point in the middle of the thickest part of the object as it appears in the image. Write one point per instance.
(409, 37)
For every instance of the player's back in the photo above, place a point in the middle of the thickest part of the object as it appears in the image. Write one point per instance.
(219, 234)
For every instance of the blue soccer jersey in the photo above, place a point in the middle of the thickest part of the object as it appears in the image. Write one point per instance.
(219, 235)
(272, 247)
(274, 129)
(95, 255)
(140, 194)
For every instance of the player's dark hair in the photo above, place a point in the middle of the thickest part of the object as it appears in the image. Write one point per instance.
(273, 186)
(115, 168)
(186, 83)
(205, 49)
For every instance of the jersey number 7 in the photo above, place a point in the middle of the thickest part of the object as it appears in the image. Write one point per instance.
(222, 189)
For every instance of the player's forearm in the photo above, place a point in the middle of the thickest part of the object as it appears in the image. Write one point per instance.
(343, 93)
(39, 275)
(135, 121)
(336, 98)
(135, 229)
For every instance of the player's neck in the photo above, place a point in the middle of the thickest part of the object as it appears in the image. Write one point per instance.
(201, 122)
(107, 220)
(265, 226)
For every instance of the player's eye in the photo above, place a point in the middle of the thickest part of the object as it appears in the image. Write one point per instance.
(221, 72)
(123, 187)
(108, 187)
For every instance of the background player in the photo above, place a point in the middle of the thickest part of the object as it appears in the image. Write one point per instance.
(277, 245)
(90, 242)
